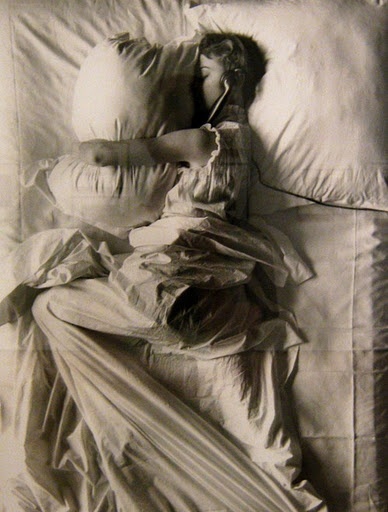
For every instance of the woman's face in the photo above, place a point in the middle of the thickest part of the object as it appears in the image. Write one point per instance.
(212, 70)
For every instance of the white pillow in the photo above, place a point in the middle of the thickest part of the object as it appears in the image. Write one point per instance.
(125, 89)
(114, 199)
(321, 111)
(129, 88)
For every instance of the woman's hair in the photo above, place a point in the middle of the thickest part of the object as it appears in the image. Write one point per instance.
(242, 58)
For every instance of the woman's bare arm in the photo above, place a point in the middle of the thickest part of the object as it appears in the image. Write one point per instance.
(193, 146)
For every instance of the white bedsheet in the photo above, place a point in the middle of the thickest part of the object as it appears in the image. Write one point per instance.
(338, 391)
(154, 453)
(157, 453)
(334, 395)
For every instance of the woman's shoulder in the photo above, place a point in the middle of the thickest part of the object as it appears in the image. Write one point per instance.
(231, 126)
(232, 137)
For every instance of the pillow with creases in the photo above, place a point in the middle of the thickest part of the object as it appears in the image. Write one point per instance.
(320, 115)
(126, 89)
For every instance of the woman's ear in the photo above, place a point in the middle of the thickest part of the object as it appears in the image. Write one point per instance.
(233, 78)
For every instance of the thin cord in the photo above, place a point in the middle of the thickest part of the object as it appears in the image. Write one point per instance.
(219, 103)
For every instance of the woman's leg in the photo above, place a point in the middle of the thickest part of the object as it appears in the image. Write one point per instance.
(154, 449)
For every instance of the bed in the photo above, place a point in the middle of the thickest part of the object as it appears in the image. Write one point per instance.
(302, 428)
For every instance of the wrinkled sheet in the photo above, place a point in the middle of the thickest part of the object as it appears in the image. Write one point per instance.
(154, 453)
(132, 286)
(342, 359)
(173, 440)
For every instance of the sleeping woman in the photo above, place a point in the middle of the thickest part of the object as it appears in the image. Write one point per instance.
(184, 290)
(184, 284)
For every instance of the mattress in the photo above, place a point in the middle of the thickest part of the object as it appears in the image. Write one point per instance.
(337, 391)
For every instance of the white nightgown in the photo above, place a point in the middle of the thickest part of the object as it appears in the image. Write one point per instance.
(188, 271)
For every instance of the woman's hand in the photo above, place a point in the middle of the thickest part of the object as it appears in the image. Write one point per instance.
(99, 152)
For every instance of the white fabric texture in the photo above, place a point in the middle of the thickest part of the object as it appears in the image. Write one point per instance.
(55, 258)
(128, 88)
(333, 325)
(58, 257)
(321, 112)
(169, 445)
